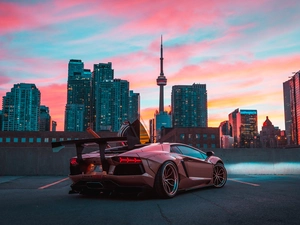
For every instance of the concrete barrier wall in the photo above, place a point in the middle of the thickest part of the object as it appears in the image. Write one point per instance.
(42, 161)
(260, 161)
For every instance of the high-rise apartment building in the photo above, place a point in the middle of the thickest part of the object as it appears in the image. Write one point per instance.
(45, 118)
(189, 105)
(133, 106)
(244, 127)
(97, 100)
(291, 94)
(74, 116)
(78, 97)
(102, 72)
(111, 99)
(112, 104)
(21, 108)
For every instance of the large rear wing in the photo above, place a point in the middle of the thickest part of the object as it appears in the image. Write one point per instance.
(57, 146)
(127, 135)
(81, 143)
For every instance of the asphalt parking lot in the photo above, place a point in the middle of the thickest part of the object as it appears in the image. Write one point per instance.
(245, 199)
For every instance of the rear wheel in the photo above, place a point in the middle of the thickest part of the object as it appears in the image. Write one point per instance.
(167, 180)
(219, 175)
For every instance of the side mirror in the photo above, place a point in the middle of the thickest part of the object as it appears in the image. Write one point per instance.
(210, 153)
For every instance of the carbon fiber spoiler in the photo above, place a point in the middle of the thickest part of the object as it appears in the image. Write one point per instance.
(80, 144)
(57, 146)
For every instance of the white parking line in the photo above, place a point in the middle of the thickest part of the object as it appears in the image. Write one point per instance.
(54, 183)
(242, 182)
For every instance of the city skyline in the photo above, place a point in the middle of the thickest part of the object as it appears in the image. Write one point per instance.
(242, 51)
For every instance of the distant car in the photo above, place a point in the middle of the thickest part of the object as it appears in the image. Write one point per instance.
(165, 168)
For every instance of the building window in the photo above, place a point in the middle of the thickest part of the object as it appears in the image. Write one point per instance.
(7, 140)
(1, 140)
(204, 136)
(213, 136)
(197, 136)
(39, 140)
(30, 140)
(190, 136)
(204, 145)
(46, 140)
(198, 145)
(182, 136)
(213, 145)
(16, 140)
(23, 140)
(53, 139)
(61, 139)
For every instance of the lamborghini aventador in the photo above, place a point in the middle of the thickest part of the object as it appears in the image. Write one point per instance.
(165, 168)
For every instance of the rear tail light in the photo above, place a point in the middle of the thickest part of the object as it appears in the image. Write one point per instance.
(73, 162)
(128, 160)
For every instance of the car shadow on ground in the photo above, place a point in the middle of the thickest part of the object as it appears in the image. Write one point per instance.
(135, 196)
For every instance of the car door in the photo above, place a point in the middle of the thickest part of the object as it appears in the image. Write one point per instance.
(194, 162)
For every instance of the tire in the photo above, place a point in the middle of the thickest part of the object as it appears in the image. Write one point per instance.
(167, 180)
(219, 175)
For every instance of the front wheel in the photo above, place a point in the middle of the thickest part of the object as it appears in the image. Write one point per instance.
(219, 175)
(167, 180)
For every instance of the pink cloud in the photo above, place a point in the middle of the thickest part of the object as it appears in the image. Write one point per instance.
(4, 79)
(26, 16)
(212, 71)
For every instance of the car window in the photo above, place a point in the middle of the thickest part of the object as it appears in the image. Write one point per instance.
(175, 150)
(185, 150)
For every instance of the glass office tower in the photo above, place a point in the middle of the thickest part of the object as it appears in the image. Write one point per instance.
(78, 107)
(189, 105)
(291, 92)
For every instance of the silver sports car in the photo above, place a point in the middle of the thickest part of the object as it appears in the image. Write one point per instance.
(165, 168)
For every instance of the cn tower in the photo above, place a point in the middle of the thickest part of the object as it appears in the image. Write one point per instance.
(161, 80)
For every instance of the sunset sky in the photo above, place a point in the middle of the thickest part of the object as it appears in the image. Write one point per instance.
(242, 50)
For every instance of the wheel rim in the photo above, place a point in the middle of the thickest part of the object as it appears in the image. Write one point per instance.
(219, 176)
(170, 179)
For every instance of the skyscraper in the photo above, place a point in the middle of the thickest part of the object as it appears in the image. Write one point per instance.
(101, 72)
(45, 118)
(97, 100)
(112, 104)
(74, 115)
(189, 105)
(78, 97)
(162, 118)
(110, 99)
(21, 108)
(133, 106)
(244, 127)
(287, 110)
(291, 92)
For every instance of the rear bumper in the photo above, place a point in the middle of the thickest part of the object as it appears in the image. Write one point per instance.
(99, 183)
